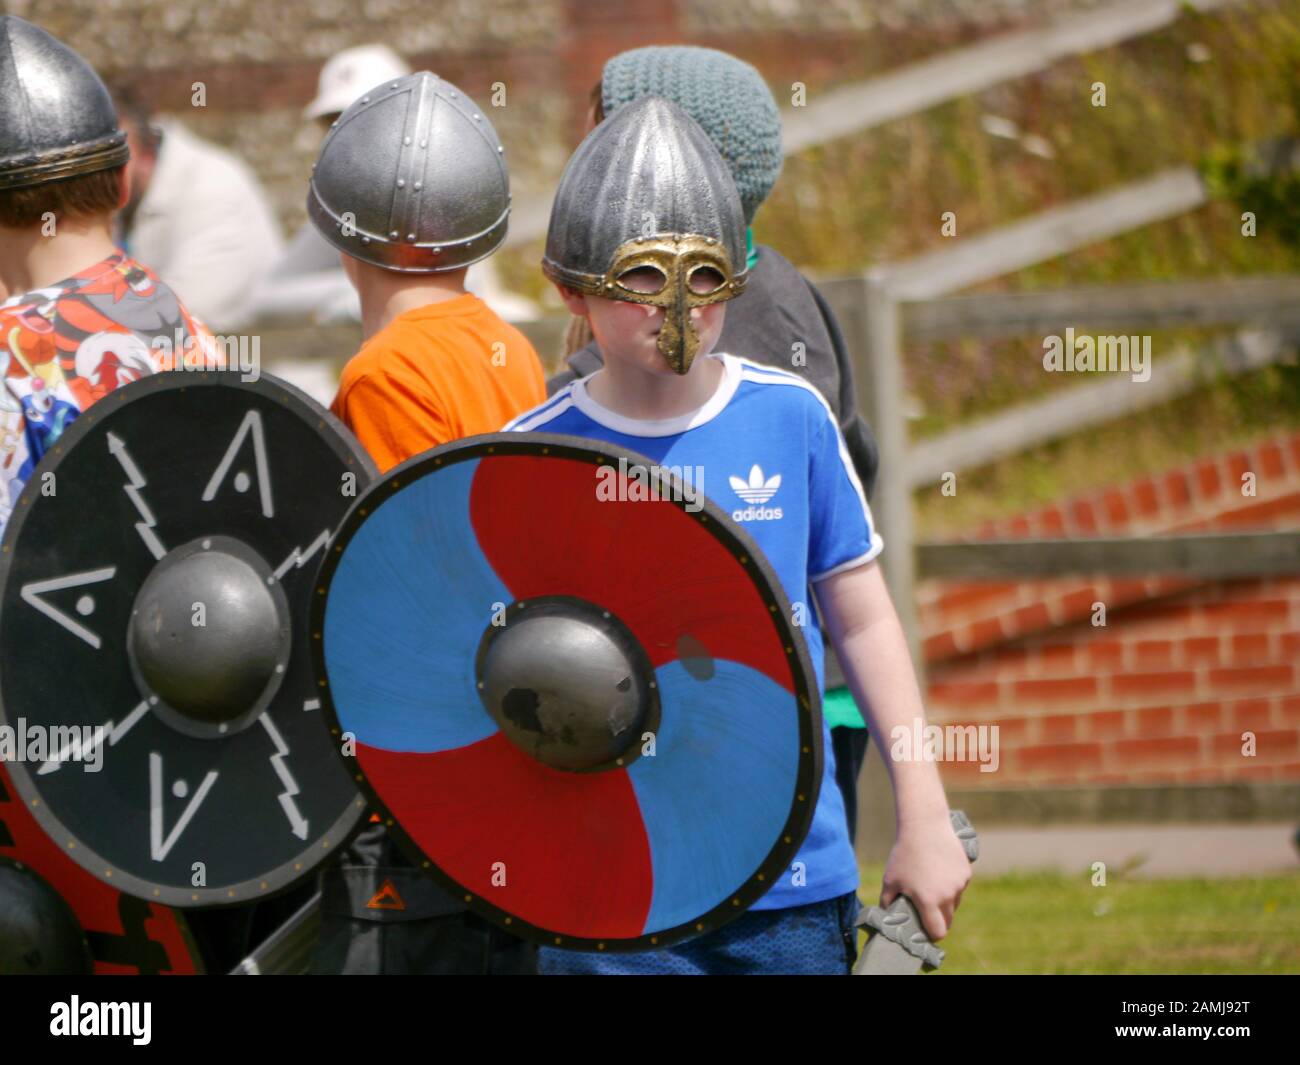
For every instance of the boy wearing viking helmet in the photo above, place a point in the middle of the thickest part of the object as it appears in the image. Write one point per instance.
(411, 187)
(781, 320)
(647, 242)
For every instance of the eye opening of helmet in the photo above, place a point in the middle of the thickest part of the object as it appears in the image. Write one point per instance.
(705, 280)
(644, 280)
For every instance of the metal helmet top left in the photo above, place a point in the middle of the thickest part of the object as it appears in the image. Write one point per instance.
(56, 117)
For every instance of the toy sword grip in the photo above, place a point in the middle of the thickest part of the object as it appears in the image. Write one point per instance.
(904, 940)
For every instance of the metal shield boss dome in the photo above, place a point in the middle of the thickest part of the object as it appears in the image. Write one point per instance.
(412, 178)
(39, 932)
(56, 117)
(568, 684)
(647, 191)
(218, 671)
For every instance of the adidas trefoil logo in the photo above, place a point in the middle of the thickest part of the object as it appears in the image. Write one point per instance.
(756, 491)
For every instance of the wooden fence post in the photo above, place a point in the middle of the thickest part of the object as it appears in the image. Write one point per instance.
(880, 391)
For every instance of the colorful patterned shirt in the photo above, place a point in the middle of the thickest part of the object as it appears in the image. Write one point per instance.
(65, 346)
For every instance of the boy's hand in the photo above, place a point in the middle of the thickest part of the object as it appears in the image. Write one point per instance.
(929, 865)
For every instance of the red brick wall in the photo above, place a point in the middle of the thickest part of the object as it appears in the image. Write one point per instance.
(1163, 692)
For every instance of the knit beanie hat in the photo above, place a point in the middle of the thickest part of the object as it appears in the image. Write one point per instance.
(725, 95)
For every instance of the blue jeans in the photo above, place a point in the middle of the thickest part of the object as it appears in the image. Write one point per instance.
(814, 940)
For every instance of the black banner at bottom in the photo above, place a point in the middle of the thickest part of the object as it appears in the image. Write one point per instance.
(343, 1016)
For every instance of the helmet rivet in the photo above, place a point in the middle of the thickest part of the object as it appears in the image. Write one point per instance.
(500, 150)
(365, 99)
(393, 233)
(418, 186)
(437, 251)
(410, 237)
(406, 140)
(424, 144)
(401, 183)
(365, 240)
(477, 117)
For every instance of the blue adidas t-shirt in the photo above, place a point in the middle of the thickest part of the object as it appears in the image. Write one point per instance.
(766, 449)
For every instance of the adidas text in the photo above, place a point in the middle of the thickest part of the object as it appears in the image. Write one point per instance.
(757, 514)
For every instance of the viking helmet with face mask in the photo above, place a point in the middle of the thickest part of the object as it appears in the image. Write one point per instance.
(647, 212)
(412, 178)
(56, 118)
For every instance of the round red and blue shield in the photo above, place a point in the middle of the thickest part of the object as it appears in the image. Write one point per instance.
(571, 687)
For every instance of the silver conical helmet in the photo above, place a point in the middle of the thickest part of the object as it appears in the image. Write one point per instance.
(412, 178)
(56, 117)
(647, 192)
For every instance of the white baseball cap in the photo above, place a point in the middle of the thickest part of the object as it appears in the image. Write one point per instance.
(350, 73)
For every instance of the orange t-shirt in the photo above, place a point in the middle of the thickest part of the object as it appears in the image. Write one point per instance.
(435, 374)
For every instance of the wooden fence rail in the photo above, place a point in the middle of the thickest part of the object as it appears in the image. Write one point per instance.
(1261, 302)
(1207, 557)
(1082, 406)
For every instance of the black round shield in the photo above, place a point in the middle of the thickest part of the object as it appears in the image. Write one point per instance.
(155, 674)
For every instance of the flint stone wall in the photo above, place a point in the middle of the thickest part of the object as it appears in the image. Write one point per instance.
(258, 62)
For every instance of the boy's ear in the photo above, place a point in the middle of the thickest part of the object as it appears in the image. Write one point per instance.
(574, 301)
(123, 187)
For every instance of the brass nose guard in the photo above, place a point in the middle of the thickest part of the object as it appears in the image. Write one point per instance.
(679, 342)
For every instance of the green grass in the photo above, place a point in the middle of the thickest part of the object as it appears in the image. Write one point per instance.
(1044, 923)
